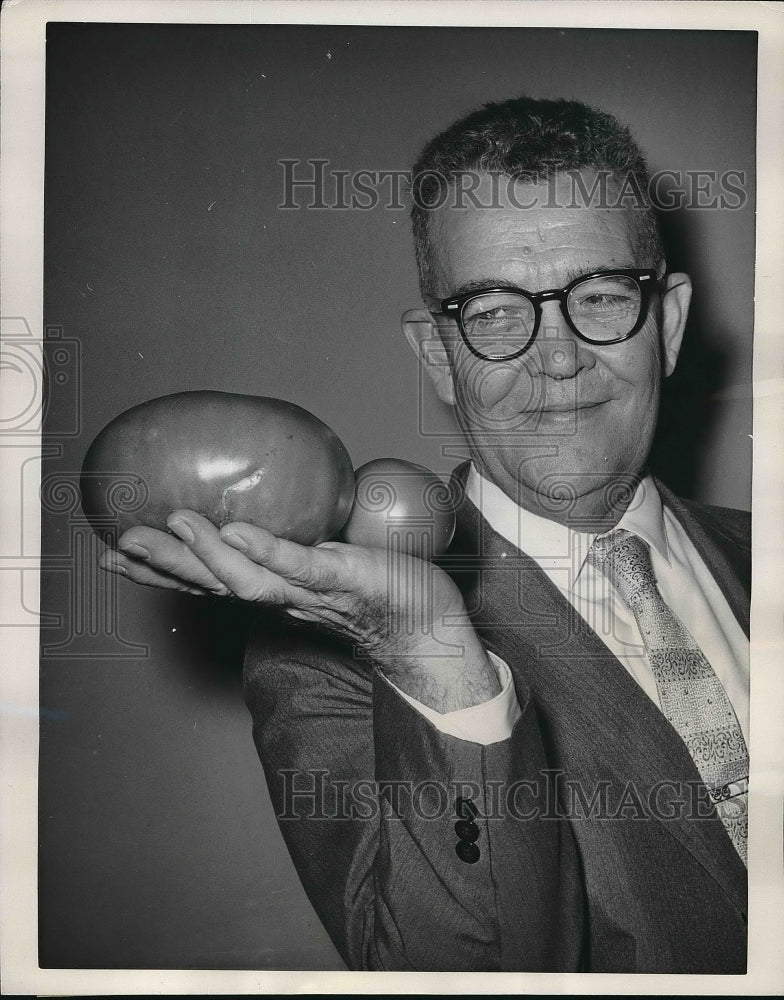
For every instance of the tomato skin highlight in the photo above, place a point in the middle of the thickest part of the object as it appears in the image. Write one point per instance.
(228, 456)
(402, 506)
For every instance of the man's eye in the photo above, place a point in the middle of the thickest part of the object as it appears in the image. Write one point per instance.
(502, 315)
(493, 315)
(605, 300)
(498, 314)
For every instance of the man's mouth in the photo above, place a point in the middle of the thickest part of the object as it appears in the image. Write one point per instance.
(566, 406)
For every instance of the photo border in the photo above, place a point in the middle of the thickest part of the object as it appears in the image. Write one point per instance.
(22, 37)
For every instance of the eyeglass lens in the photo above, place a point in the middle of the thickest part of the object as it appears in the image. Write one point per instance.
(603, 309)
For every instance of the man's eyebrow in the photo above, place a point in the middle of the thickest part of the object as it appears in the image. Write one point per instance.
(480, 284)
(572, 274)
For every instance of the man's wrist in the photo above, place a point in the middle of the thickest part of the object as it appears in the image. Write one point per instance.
(445, 676)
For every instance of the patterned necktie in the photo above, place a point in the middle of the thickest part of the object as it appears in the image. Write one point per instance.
(691, 695)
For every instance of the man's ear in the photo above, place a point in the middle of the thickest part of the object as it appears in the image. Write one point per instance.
(675, 308)
(424, 339)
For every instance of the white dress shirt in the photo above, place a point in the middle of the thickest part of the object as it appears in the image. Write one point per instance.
(683, 578)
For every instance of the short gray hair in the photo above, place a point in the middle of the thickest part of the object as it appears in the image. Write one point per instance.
(525, 137)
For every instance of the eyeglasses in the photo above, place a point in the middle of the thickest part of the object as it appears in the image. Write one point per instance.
(606, 307)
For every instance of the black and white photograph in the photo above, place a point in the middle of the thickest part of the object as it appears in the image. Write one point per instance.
(390, 417)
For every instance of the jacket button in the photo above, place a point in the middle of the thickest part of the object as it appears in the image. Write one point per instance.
(467, 830)
(465, 808)
(467, 851)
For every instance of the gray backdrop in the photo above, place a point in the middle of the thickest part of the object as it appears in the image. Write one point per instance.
(169, 266)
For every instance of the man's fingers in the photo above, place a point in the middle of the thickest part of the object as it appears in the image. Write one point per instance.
(245, 576)
(241, 560)
(316, 569)
(143, 573)
(164, 557)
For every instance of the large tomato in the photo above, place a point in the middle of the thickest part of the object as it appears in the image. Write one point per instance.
(230, 457)
(402, 506)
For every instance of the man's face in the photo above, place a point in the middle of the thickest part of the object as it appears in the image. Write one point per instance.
(567, 417)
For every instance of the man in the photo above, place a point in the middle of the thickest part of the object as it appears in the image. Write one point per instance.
(532, 756)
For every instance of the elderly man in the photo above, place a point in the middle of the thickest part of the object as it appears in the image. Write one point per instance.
(533, 755)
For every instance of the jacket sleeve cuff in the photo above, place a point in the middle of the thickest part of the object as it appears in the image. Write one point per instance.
(489, 722)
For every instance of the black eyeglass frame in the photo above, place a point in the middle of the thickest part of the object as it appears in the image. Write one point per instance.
(646, 280)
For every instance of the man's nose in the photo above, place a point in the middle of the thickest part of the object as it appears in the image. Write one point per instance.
(557, 351)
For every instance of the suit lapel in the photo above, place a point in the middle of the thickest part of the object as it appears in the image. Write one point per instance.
(580, 688)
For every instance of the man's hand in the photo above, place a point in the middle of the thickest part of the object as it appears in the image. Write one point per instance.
(405, 614)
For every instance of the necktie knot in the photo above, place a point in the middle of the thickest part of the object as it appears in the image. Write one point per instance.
(625, 560)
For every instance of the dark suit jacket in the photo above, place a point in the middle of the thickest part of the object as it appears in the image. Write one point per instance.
(597, 847)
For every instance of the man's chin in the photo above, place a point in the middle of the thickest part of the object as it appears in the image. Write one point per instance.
(598, 498)
(547, 487)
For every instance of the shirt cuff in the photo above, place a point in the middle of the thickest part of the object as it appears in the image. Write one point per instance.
(490, 722)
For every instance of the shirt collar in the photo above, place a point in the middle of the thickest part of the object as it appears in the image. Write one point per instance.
(548, 542)
(645, 517)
